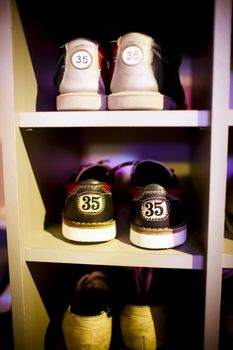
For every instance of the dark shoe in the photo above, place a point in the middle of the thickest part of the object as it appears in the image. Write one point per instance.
(87, 322)
(157, 213)
(144, 76)
(82, 76)
(88, 215)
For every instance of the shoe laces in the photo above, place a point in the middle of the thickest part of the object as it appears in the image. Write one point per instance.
(111, 172)
(158, 53)
(120, 166)
(96, 279)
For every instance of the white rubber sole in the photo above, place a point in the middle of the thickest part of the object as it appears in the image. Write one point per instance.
(158, 239)
(144, 100)
(97, 233)
(81, 102)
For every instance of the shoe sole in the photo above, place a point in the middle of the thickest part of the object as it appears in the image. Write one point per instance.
(90, 233)
(158, 239)
(140, 100)
(81, 102)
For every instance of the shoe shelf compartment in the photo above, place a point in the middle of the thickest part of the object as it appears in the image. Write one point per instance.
(67, 147)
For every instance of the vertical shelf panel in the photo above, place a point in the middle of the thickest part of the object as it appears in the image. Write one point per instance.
(18, 91)
(218, 169)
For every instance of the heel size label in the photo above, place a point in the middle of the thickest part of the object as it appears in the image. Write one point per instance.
(81, 59)
(132, 55)
(91, 203)
(155, 209)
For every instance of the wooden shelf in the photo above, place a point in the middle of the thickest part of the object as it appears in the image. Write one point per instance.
(178, 118)
(51, 246)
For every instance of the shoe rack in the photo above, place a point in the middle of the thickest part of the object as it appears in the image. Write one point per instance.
(42, 147)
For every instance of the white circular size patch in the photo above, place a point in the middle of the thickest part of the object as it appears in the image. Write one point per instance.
(132, 55)
(81, 59)
(90, 203)
(155, 209)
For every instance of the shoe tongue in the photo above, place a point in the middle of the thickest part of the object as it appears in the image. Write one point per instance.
(91, 302)
(152, 172)
(92, 295)
(98, 283)
(98, 172)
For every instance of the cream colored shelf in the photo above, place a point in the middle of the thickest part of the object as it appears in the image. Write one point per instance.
(50, 246)
(179, 118)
